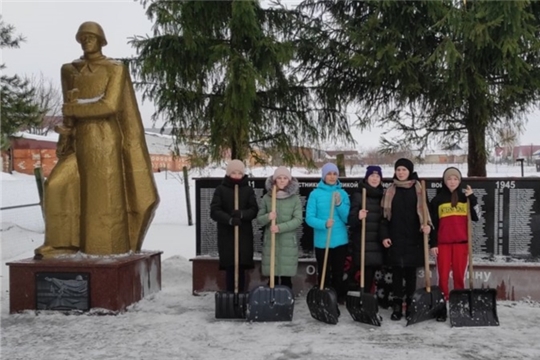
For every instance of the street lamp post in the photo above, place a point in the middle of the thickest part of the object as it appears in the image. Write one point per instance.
(520, 160)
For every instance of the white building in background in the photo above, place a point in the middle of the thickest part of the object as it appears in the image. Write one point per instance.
(447, 155)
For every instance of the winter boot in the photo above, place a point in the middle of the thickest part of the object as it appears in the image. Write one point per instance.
(408, 302)
(397, 310)
(337, 300)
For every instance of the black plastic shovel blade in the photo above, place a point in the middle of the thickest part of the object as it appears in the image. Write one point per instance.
(267, 304)
(363, 308)
(473, 307)
(426, 305)
(322, 304)
(230, 305)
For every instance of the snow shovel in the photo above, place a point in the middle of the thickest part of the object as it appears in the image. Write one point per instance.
(426, 303)
(362, 305)
(274, 303)
(472, 307)
(232, 305)
(321, 301)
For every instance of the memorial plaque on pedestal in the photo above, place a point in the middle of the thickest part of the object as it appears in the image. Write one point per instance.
(62, 291)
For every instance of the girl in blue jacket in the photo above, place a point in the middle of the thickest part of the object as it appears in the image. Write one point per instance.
(318, 217)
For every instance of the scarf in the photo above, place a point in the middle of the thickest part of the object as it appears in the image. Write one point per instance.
(281, 194)
(391, 191)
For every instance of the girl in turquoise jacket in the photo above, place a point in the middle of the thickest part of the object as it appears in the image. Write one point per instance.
(318, 217)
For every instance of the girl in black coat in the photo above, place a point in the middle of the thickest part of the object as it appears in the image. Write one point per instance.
(374, 250)
(222, 211)
(402, 232)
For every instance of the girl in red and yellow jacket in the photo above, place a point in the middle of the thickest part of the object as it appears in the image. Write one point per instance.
(449, 241)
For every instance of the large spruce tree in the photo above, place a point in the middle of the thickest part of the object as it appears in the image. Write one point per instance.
(220, 71)
(430, 69)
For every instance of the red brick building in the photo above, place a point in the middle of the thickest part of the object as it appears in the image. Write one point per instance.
(30, 151)
(519, 151)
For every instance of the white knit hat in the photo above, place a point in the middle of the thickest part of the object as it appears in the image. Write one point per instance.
(282, 171)
(451, 171)
(235, 165)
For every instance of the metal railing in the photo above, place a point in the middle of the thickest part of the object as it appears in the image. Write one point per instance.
(19, 206)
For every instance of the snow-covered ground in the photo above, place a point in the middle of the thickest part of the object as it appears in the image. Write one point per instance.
(174, 324)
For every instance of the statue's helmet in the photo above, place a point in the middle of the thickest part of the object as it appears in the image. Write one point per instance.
(90, 27)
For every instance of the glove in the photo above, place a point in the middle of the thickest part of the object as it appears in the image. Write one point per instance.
(235, 221)
(337, 198)
(237, 214)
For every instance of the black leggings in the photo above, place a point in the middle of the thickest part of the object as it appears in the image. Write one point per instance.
(229, 279)
(398, 275)
(334, 268)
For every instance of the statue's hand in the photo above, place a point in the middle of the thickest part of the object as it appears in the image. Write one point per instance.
(64, 147)
(72, 95)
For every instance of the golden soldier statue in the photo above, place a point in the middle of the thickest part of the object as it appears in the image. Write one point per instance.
(100, 198)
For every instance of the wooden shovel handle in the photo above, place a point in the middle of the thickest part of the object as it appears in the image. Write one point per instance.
(470, 241)
(273, 240)
(426, 237)
(236, 245)
(363, 243)
(328, 236)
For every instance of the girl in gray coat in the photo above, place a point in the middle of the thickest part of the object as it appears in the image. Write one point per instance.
(288, 217)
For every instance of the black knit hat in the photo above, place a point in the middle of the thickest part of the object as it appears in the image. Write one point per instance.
(406, 163)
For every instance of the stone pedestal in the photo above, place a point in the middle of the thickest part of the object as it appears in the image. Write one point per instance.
(113, 282)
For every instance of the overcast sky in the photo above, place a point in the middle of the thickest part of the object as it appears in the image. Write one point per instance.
(50, 26)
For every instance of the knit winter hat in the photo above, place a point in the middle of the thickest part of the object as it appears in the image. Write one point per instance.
(373, 169)
(282, 171)
(329, 167)
(451, 171)
(235, 165)
(406, 163)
